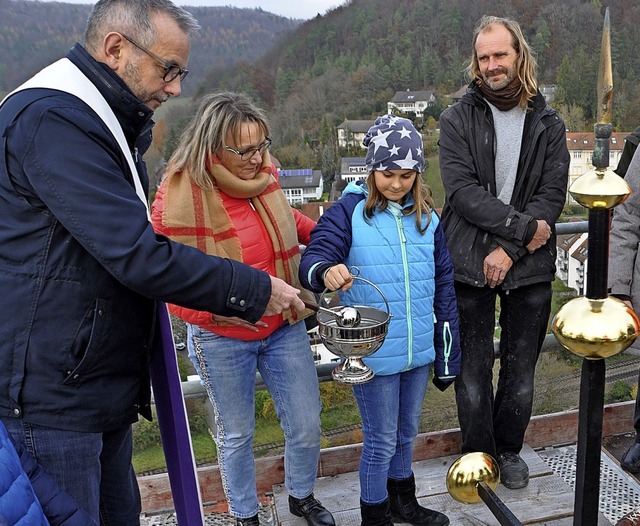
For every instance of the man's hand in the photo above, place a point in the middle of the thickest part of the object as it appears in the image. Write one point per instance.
(542, 235)
(283, 296)
(496, 265)
(338, 277)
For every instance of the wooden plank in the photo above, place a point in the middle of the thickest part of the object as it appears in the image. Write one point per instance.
(546, 500)
(431, 474)
(562, 428)
(544, 430)
(551, 496)
(568, 521)
(155, 491)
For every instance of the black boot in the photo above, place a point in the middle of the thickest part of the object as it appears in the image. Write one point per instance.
(375, 514)
(405, 508)
(250, 521)
(311, 510)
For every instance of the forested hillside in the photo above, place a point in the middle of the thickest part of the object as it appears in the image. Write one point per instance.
(348, 63)
(34, 34)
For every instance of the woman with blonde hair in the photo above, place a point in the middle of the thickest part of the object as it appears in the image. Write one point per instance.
(221, 195)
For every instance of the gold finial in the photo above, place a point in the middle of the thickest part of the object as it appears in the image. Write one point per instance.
(605, 76)
(595, 328)
(601, 188)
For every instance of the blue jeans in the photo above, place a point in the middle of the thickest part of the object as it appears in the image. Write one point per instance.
(497, 424)
(390, 408)
(94, 468)
(227, 369)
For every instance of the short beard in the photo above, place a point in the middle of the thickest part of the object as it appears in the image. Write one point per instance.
(132, 79)
(510, 75)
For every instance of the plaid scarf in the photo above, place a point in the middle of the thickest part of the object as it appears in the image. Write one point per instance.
(196, 217)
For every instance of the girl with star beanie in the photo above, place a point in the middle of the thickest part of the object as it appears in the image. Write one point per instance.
(386, 227)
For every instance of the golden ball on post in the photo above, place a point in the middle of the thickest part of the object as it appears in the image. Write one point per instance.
(467, 472)
(600, 188)
(595, 328)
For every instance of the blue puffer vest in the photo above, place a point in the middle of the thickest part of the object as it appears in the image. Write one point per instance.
(392, 254)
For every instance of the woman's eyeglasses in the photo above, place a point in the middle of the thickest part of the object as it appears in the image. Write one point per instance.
(247, 154)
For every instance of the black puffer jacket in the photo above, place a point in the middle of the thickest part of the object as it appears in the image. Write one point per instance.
(475, 221)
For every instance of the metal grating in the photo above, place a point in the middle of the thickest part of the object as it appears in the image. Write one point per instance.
(619, 492)
(210, 519)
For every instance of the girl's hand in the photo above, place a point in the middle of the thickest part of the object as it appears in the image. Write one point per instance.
(338, 277)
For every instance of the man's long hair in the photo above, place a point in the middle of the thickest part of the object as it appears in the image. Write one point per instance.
(526, 63)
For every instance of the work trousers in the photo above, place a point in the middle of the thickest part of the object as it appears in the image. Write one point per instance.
(496, 423)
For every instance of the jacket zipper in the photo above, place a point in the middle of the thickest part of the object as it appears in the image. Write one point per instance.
(448, 341)
(407, 289)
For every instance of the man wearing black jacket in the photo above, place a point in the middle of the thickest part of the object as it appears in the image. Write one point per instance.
(504, 164)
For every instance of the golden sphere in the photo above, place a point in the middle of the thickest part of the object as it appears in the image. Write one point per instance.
(467, 472)
(599, 188)
(595, 329)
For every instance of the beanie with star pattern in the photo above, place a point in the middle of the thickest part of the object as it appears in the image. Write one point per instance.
(393, 143)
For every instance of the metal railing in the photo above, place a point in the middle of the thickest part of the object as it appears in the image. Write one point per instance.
(192, 389)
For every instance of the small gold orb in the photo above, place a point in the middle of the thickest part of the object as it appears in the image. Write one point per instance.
(467, 472)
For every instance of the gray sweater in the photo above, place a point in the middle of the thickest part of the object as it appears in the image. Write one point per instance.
(624, 265)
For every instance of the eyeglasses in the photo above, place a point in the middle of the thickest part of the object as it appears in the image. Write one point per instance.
(171, 71)
(247, 154)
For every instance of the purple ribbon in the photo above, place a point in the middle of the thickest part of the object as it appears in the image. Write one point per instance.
(174, 426)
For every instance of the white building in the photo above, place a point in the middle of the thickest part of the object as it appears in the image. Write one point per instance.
(581, 146)
(411, 102)
(571, 260)
(351, 133)
(549, 92)
(353, 169)
(301, 186)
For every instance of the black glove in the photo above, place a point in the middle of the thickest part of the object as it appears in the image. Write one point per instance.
(443, 382)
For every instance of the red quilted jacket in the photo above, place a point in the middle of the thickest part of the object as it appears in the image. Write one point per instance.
(257, 251)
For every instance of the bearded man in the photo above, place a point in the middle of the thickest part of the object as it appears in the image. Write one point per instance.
(504, 164)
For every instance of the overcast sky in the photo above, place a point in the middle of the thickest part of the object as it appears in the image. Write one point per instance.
(303, 9)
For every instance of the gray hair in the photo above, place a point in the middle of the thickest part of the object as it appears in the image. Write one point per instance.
(218, 115)
(134, 17)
